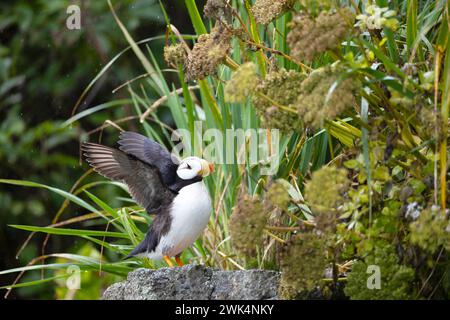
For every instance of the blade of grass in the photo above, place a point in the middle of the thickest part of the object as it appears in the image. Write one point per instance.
(71, 232)
(196, 19)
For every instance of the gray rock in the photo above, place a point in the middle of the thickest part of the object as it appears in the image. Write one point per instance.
(195, 282)
(245, 285)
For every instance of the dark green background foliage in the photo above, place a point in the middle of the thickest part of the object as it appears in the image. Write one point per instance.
(44, 68)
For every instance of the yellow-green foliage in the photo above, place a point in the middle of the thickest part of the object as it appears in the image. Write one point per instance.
(326, 188)
(313, 7)
(283, 87)
(242, 83)
(377, 18)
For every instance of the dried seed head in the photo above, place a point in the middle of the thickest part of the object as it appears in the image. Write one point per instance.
(326, 222)
(317, 102)
(265, 11)
(325, 191)
(242, 83)
(247, 225)
(309, 36)
(283, 87)
(303, 263)
(218, 9)
(208, 53)
(175, 54)
(277, 195)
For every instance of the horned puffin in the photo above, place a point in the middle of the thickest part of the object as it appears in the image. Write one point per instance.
(172, 189)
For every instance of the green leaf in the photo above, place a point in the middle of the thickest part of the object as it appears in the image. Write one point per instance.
(196, 19)
(72, 232)
(36, 282)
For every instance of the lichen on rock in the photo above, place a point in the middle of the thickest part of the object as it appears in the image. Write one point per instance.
(195, 282)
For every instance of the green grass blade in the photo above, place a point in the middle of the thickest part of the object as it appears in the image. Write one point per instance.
(93, 110)
(71, 232)
(196, 19)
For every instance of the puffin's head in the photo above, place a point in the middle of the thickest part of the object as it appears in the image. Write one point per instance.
(192, 167)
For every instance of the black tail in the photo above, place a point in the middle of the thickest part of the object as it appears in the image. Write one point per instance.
(140, 248)
(145, 246)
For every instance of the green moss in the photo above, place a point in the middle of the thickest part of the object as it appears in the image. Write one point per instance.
(395, 279)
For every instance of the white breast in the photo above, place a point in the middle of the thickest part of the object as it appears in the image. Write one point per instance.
(190, 214)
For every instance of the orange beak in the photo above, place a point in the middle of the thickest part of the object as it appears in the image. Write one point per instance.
(207, 168)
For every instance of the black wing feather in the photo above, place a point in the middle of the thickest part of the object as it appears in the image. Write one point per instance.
(143, 180)
(151, 153)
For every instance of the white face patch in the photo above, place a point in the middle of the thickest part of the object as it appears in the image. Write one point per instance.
(189, 168)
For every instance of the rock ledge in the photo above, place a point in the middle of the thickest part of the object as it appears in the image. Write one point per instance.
(195, 282)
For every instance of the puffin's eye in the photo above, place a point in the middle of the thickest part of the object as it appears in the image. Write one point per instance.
(188, 166)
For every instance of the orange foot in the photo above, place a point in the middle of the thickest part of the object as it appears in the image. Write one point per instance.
(179, 262)
(168, 261)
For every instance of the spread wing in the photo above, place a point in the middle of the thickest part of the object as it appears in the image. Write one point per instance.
(151, 153)
(143, 179)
